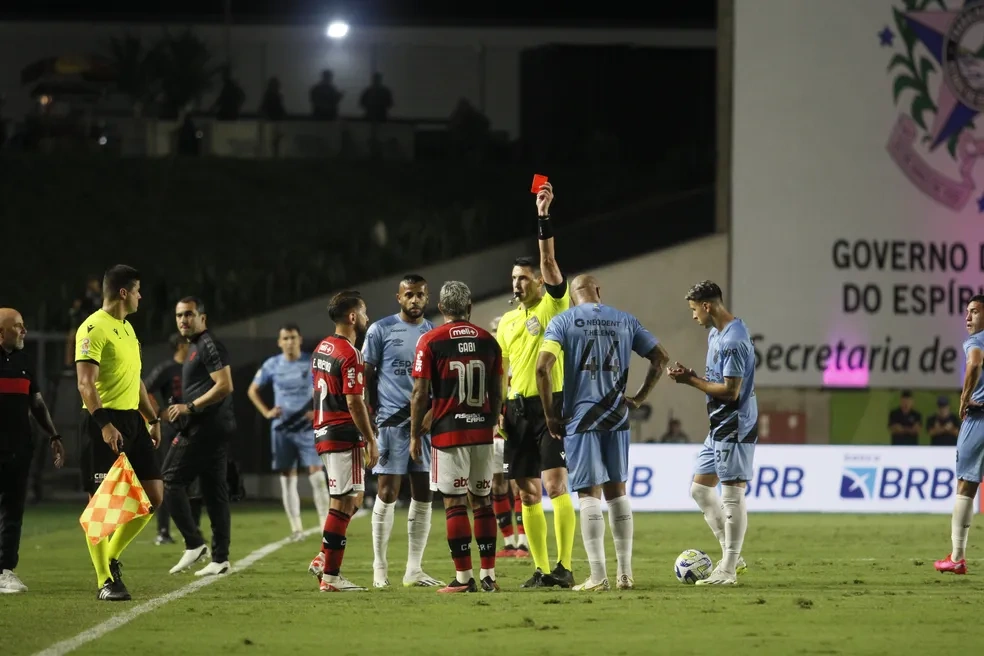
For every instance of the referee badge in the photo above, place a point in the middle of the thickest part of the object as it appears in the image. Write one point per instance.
(533, 326)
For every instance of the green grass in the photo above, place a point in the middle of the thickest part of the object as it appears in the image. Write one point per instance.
(817, 584)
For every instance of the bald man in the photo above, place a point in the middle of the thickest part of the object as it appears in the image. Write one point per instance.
(19, 398)
(596, 342)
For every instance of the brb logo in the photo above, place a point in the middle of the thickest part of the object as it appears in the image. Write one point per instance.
(867, 483)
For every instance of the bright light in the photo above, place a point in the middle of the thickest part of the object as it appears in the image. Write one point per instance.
(337, 30)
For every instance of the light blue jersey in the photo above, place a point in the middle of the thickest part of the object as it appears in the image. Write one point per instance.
(291, 389)
(730, 355)
(389, 347)
(975, 341)
(970, 441)
(597, 342)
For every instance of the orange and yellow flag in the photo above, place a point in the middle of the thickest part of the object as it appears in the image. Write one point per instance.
(119, 499)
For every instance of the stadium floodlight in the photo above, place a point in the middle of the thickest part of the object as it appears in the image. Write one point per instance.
(337, 30)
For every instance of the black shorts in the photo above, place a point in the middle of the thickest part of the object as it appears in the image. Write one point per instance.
(530, 450)
(97, 457)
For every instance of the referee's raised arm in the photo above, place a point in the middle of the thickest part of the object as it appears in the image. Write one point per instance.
(552, 276)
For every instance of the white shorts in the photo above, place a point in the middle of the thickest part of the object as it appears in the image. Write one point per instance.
(497, 458)
(346, 472)
(461, 469)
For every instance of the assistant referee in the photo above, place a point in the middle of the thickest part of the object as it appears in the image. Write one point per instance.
(543, 293)
(116, 413)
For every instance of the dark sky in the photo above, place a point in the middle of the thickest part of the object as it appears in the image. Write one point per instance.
(591, 13)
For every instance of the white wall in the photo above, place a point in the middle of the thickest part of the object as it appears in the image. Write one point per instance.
(652, 288)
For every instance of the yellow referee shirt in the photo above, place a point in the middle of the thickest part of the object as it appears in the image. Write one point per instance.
(113, 345)
(520, 335)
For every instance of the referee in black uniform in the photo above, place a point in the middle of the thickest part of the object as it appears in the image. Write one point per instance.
(205, 425)
(19, 399)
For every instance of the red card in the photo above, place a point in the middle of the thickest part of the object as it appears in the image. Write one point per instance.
(538, 181)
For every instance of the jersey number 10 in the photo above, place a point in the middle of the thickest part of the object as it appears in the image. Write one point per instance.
(471, 382)
(589, 359)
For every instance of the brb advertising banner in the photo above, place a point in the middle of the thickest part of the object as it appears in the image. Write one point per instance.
(805, 478)
(858, 203)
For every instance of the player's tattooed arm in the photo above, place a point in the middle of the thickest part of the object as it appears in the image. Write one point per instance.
(974, 359)
(544, 386)
(419, 402)
(372, 389)
(658, 357)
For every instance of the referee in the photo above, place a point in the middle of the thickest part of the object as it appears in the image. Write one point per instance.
(116, 413)
(19, 399)
(532, 458)
(205, 425)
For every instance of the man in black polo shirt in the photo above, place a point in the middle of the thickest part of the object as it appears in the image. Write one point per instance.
(19, 398)
(200, 451)
(944, 426)
(904, 422)
(164, 385)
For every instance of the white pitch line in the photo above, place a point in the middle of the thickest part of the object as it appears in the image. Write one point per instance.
(115, 622)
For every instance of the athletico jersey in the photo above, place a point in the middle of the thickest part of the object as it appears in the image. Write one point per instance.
(337, 370)
(730, 355)
(597, 343)
(389, 348)
(460, 360)
(291, 389)
(976, 341)
(113, 345)
(520, 334)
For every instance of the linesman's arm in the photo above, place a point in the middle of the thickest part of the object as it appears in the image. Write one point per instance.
(974, 359)
(658, 358)
(88, 372)
(549, 268)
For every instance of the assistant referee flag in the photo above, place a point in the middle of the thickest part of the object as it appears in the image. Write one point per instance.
(119, 499)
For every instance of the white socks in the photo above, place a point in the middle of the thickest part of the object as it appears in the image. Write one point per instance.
(710, 504)
(418, 528)
(963, 511)
(322, 500)
(292, 502)
(382, 526)
(735, 523)
(620, 518)
(593, 534)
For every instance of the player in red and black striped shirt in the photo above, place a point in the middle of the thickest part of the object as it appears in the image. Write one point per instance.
(460, 365)
(341, 431)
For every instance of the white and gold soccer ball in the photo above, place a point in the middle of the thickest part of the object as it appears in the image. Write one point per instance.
(692, 565)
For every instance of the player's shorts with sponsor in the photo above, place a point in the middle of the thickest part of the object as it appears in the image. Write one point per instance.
(498, 454)
(394, 452)
(97, 457)
(457, 470)
(346, 471)
(293, 448)
(729, 461)
(530, 450)
(970, 449)
(597, 457)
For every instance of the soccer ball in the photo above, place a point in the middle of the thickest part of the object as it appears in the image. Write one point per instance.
(692, 566)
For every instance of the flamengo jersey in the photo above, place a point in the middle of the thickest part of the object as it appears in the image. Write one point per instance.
(459, 359)
(337, 369)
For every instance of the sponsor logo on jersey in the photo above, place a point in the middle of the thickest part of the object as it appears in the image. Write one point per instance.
(464, 332)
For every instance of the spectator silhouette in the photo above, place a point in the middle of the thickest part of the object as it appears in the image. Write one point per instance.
(325, 98)
(272, 107)
(376, 100)
(231, 98)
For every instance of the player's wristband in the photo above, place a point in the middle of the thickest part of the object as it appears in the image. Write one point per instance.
(155, 420)
(54, 438)
(101, 417)
(545, 230)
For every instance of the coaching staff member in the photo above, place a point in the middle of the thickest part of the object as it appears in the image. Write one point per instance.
(115, 416)
(19, 398)
(205, 425)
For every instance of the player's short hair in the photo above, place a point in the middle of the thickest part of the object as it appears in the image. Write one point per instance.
(199, 303)
(176, 340)
(979, 298)
(290, 326)
(413, 279)
(703, 291)
(117, 277)
(528, 262)
(342, 303)
(455, 298)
